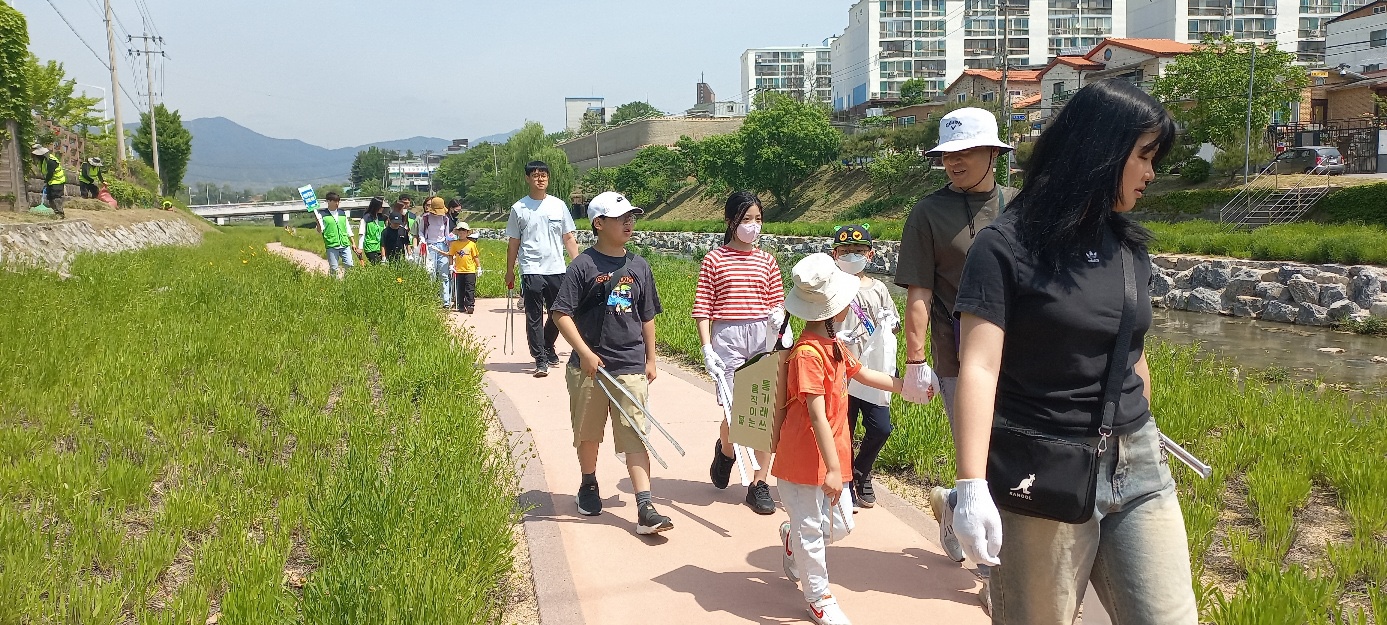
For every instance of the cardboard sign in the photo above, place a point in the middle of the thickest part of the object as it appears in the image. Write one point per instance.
(310, 199)
(755, 387)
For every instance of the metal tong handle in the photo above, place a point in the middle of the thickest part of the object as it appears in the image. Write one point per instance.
(1186, 457)
(742, 454)
(649, 417)
(630, 422)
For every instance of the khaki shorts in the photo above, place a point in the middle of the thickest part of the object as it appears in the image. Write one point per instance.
(589, 408)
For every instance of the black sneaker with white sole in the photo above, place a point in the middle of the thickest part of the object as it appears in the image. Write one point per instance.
(553, 359)
(863, 495)
(648, 521)
(541, 368)
(758, 496)
(721, 470)
(589, 501)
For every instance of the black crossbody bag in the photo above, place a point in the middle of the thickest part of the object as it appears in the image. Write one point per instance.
(1051, 477)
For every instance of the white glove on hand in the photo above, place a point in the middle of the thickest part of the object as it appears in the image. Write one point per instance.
(921, 384)
(777, 318)
(977, 524)
(888, 319)
(712, 362)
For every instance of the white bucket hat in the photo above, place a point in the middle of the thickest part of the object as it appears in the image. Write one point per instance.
(821, 290)
(966, 128)
(39, 150)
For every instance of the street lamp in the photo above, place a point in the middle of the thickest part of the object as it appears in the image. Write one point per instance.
(105, 110)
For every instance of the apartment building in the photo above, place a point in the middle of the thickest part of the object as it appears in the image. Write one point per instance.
(889, 42)
(575, 108)
(1358, 39)
(1293, 25)
(801, 72)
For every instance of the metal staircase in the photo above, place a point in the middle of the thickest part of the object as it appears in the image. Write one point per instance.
(1272, 198)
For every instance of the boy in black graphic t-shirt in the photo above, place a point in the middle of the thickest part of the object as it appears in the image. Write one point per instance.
(606, 309)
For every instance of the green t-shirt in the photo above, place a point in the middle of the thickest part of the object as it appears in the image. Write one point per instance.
(374, 227)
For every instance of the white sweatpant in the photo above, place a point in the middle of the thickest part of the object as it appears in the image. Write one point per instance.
(736, 342)
(814, 525)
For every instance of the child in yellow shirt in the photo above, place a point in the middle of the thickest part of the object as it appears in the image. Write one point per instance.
(467, 261)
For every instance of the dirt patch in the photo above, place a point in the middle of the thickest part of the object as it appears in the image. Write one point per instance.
(1220, 570)
(518, 589)
(908, 486)
(1319, 524)
(300, 564)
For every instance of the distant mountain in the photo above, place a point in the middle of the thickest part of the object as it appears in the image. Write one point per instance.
(499, 138)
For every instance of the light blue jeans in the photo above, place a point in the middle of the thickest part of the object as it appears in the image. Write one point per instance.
(1133, 550)
(337, 257)
(441, 268)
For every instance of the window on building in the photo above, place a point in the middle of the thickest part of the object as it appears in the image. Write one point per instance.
(1377, 10)
(1372, 67)
(908, 120)
(1377, 38)
(962, 97)
(989, 96)
(1059, 88)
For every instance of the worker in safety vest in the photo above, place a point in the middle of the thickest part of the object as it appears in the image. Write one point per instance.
(54, 178)
(91, 177)
(337, 235)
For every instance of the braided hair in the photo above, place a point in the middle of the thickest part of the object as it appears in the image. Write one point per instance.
(833, 334)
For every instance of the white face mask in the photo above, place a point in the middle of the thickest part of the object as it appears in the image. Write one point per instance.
(852, 263)
(747, 233)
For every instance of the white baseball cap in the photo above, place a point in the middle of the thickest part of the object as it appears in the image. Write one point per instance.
(821, 290)
(610, 204)
(966, 128)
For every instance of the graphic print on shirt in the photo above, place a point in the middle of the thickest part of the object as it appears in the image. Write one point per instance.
(620, 298)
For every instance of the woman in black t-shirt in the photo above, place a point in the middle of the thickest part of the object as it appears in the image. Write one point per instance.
(1040, 304)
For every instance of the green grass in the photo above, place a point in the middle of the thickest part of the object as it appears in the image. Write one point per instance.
(185, 431)
(1303, 242)
(1271, 440)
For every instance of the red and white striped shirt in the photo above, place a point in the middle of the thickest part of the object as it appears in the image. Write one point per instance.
(735, 285)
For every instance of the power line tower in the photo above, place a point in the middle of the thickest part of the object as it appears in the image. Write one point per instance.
(153, 122)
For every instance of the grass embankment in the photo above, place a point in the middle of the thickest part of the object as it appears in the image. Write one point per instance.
(194, 431)
(1303, 242)
(1291, 528)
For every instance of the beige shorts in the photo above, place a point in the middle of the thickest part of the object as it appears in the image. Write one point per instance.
(589, 408)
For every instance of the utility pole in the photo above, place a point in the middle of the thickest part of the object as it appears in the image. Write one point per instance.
(153, 122)
(1247, 147)
(115, 89)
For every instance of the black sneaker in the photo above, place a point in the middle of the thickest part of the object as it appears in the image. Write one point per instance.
(553, 359)
(864, 495)
(589, 501)
(721, 471)
(541, 368)
(648, 521)
(758, 496)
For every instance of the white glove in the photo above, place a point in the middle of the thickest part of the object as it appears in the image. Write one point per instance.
(712, 362)
(888, 319)
(773, 323)
(977, 524)
(921, 384)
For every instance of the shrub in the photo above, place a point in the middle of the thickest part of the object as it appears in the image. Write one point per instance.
(1196, 170)
(1190, 202)
(1366, 203)
(131, 195)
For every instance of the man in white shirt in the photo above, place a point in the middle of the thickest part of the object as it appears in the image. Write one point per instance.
(540, 229)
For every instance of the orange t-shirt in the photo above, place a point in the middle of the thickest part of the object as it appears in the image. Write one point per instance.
(812, 371)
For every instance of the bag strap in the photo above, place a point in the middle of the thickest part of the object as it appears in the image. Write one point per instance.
(1117, 362)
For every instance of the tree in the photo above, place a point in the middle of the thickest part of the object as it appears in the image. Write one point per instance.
(592, 122)
(913, 91)
(175, 146)
(632, 110)
(890, 169)
(1207, 90)
(655, 174)
(597, 180)
(52, 95)
(371, 164)
(783, 143)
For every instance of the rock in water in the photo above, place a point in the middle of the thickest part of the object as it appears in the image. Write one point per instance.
(1365, 288)
(1280, 312)
(1304, 290)
(1313, 315)
(1331, 294)
(1343, 310)
(1161, 284)
(1209, 276)
(1203, 300)
(1248, 306)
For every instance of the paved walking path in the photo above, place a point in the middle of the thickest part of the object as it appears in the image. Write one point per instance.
(721, 563)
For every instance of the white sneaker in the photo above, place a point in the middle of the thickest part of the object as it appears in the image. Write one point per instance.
(787, 559)
(825, 611)
(985, 596)
(944, 514)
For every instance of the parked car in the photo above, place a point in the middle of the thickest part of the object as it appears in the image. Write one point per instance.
(1312, 159)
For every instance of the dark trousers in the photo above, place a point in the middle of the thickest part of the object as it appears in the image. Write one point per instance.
(877, 422)
(373, 257)
(55, 198)
(465, 291)
(393, 254)
(539, 292)
(89, 189)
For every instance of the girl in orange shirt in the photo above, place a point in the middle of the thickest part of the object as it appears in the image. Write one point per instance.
(812, 441)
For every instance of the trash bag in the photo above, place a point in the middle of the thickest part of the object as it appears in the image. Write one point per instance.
(105, 196)
(41, 209)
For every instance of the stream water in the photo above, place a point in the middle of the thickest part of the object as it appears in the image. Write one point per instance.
(1253, 344)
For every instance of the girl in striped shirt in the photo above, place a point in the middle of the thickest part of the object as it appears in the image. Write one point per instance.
(739, 306)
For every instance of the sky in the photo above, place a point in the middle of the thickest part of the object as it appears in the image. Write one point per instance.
(339, 73)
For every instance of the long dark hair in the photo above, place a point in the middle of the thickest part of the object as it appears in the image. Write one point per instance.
(376, 206)
(737, 205)
(1075, 174)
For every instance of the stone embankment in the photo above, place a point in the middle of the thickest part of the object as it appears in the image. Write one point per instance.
(1315, 295)
(53, 245)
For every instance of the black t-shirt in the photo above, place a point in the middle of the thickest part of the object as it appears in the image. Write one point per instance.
(395, 237)
(612, 327)
(1060, 330)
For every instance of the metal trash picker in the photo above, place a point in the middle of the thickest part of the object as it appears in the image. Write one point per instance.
(650, 418)
(739, 452)
(508, 332)
(1186, 457)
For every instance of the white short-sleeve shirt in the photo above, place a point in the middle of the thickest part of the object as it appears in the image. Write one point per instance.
(540, 226)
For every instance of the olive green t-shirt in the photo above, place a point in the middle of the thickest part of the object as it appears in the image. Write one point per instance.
(934, 244)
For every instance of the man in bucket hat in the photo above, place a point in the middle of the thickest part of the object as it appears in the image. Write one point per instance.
(54, 178)
(90, 179)
(934, 243)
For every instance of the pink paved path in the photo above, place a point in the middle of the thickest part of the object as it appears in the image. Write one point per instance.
(721, 563)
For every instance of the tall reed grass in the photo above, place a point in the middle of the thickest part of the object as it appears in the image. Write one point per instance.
(212, 430)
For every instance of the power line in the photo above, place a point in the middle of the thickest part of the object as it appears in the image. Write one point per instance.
(79, 36)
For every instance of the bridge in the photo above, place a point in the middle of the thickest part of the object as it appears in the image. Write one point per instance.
(282, 212)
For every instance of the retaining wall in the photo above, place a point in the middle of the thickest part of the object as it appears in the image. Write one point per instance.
(52, 246)
(1316, 295)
